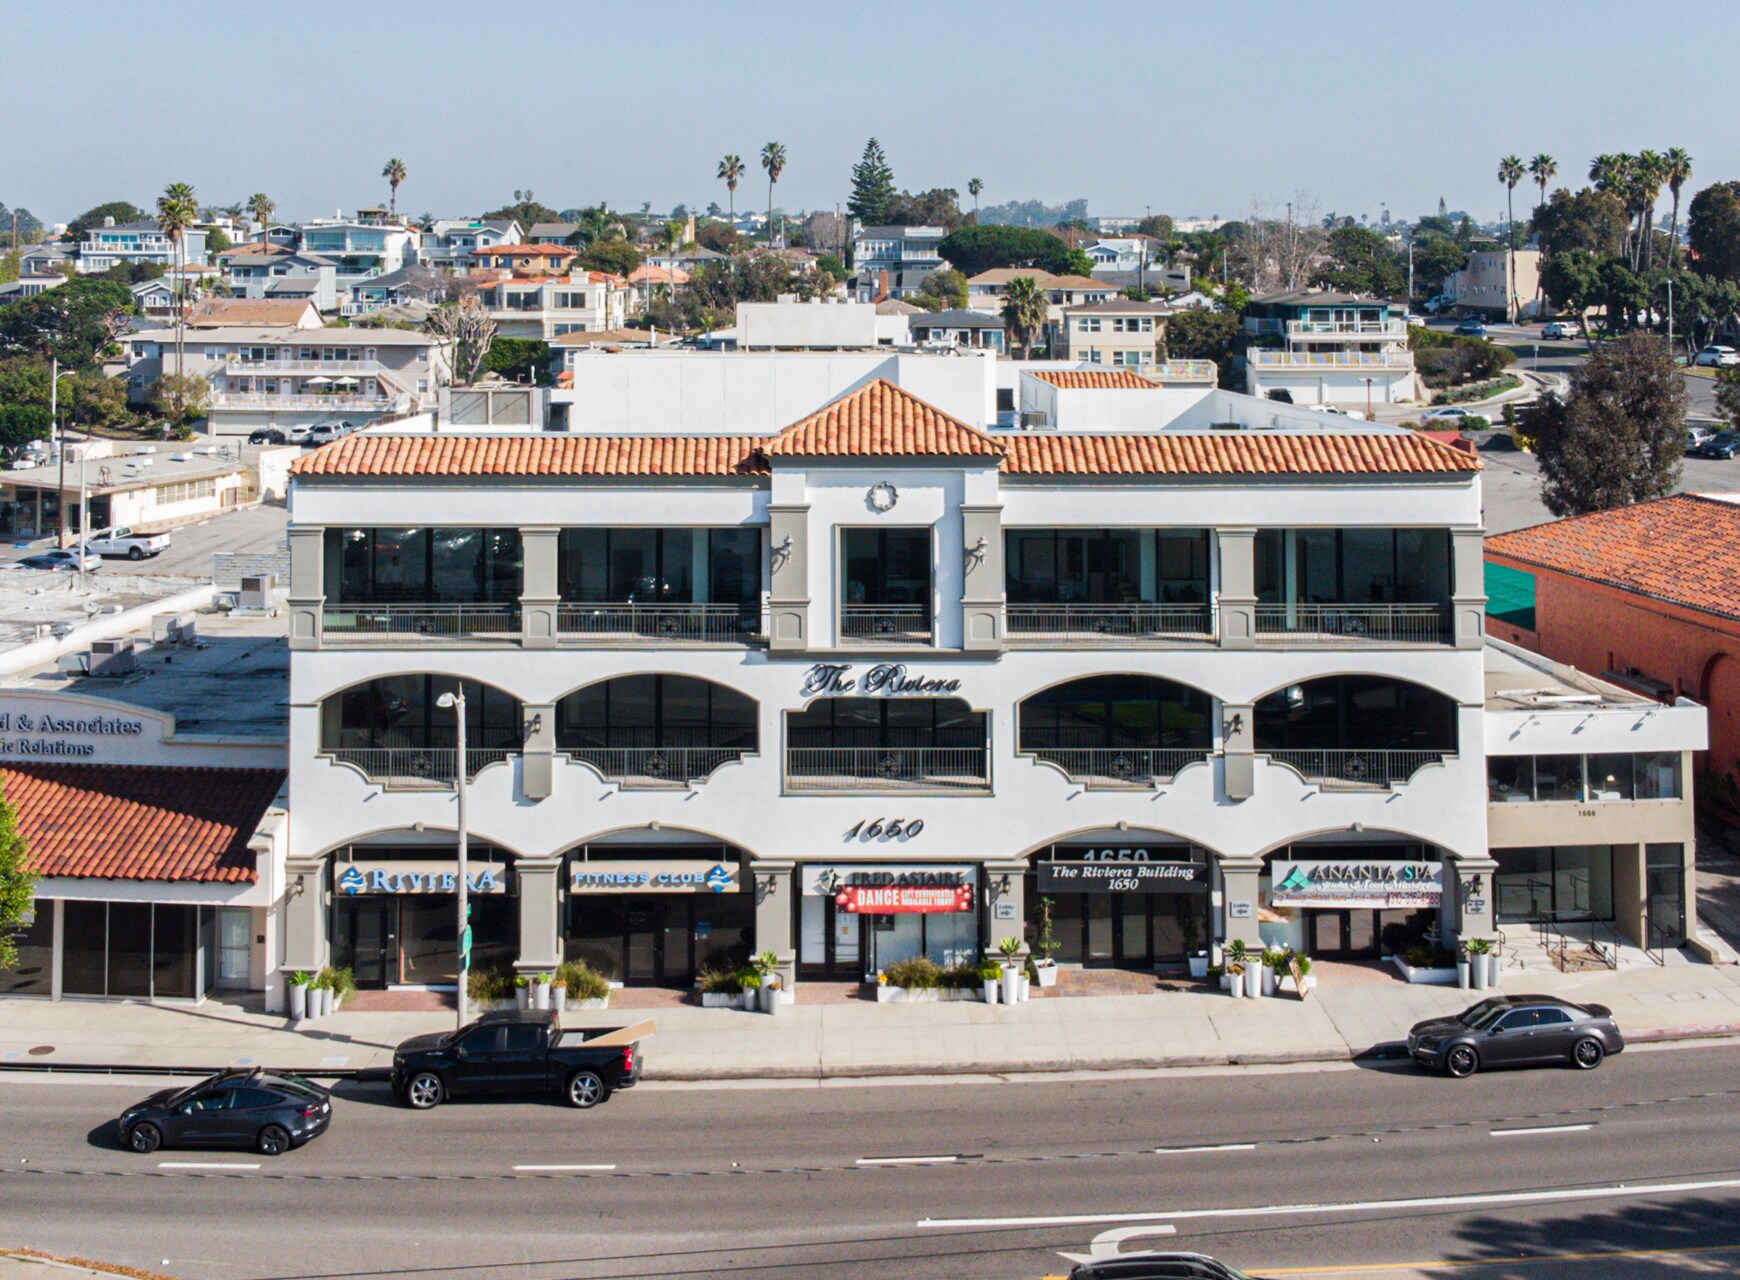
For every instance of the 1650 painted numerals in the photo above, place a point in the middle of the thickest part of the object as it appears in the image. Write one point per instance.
(886, 829)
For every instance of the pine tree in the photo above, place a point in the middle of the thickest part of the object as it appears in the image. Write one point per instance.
(17, 885)
(872, 187)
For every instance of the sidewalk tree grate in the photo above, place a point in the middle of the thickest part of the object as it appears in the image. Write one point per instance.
(41, 1050)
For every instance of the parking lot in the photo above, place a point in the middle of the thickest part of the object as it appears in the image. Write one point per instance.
(250, 529)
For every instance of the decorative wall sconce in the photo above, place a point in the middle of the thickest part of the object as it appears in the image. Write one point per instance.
(1235, 726)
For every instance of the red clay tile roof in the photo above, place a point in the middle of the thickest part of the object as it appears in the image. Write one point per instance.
(1095, 380)
(526, 251)
(1234, 453)
(454, 455)
(128, 822)
(1679, 549)
(881, 420)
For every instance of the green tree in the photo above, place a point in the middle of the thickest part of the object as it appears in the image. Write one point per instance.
(524, 210)
(1713, 230)
(731, 170)
(394, 173)
(11, 263)
(1571, 279)
(984, 248)
(1157, 225)
(216, 241)
(1543, 169)
(618, 257)
(1435, 259)
(179, 397)
(945, 288)
(872, 187)
(1198, 333)
(1360, 260)
(1728, 396)
(1678, 165)
(1510, 172)
(974, 186)
(1618, 436)
(772, 160)
(938, 207)
(720, 238)
(176, 211)
(518, 359)
(75, 322)
(1589, 219)
(119, 210)
(1025, 311)
(261, 209)
(832, 267)
(17, 882)
(20, 424)
(1623, 291)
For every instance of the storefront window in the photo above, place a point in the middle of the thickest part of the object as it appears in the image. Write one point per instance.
(33, 974)
(1106, 566)
(1658, 775)
(1510, 778)
(660, 937)
(1356, 713)
(173, 948)
(1565, 882)
(130, 949)
(1558, 777)
(1353, 566)
(660, 566)
(129, 966)
(424, 566)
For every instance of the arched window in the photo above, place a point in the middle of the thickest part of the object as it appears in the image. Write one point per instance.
(657, 728)
(1123, 728)
(1356, 729)
(393, 726)
(892, 743)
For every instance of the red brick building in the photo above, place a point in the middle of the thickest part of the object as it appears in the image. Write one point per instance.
(1648, 595)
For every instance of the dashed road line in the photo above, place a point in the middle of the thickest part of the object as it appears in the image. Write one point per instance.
(564, 1168)
(202, 1164)
(1543, 1128)
(1191, 1151)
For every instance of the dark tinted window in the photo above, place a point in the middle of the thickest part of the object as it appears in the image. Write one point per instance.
(216, 1100)
(1516, 1020)
(523, 1039)
(483, 1040)
(1551, 1017)
(246, 1098)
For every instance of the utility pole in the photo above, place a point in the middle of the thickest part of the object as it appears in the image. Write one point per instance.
(1670, 285)
(84, 512)
(1410, 268)
(59, 440)
(456, 700)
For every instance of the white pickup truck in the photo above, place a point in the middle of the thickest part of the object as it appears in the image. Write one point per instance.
(114, 543)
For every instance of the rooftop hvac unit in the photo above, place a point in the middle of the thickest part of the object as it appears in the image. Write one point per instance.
(171, 629)
(255, 596)
(1032, 421)
(111, 658)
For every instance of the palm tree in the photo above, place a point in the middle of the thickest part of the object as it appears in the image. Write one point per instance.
(773, 160)
(1648, 175)
(394, 173)
(260, 207)
(1678, 163)
(1510, 172)
(1543, 168)
(177, 210)
(731, 169)
(1024, 311)
(974, 186)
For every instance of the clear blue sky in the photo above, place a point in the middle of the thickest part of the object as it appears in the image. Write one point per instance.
(1190, 108)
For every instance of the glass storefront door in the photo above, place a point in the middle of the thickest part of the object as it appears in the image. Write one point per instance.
(235, 927)
(664, 940)
(1121, 930)
(365, 940)
(1665, 891)
(131, 949)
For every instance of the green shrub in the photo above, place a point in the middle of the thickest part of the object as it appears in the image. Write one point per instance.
(917, 974)
(718, 982)
(490, 984)
(989, 971)
(961, 977)
(582, 982)
(748, 980)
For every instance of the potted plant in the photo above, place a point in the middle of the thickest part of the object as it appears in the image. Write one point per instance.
(1494, 960)
(1235, 978)
(322, 989)
(1190, 926)
(342, 983)
(1255, 971)
(766, 964)
(1215, 974)
(1237, 953)
(1462, 958)
(1304, 963)
(1477, 949)
(558, 992)
(1274, 966)
(299, 995)
(719, 989)
(772, 994)
(749, 983)
(990, 975)
(1009, 948)
(1044, 967)
(522, 991)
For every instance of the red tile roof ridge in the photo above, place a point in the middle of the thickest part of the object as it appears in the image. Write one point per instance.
(882, 419)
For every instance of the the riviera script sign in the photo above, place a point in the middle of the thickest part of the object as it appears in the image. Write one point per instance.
(48, 736)
(889, 679)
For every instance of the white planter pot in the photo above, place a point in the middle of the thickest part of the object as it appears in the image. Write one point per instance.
(776, 999)
(558, 998)
(1199, 965)
(989, 986)
(1047, 975)
(1254, 981)
(1026, 988)
(1492, 969)
(1269, 982)
(751, 997)
(1462, 978)
(540, 996)
(719, 1000)
(298, 1003)
(1225, 981)
(1011, 985)
(886, 994)
(1235, 983)
(1477, 972)
(522, 997)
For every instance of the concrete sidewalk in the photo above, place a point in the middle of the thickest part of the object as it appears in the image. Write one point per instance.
(1170, 1029)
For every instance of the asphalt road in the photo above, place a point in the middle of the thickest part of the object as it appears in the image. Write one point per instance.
(1314, 1169)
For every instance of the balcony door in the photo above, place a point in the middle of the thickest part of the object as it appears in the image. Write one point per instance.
(885, 584)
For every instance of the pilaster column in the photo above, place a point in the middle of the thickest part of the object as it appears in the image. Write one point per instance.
(540, 592)
(1238, 587)
(1468, 603)
(305, 914)
(982, 615)
(1238, 742)
(538, 755)
(307, 598)
(1238, 900)
(788, 597)
(540, 885)
(1466, 908)
(1005, 905)
(774, 885)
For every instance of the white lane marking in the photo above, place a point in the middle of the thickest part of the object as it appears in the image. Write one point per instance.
(1546, 1128)
(1353, 1206)
(563, 1168)
(1106, 1244)
(1191, 1151)
(908, 1159)
(197, 1164)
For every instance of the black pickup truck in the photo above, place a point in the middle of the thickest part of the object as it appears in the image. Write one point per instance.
(518, 1052)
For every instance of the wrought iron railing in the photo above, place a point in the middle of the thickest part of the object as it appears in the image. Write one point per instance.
(433, 621)
(1109, 622)
(402, 767)
(656, 766)
(1120, 766)
(1352, 770)
(885, 623)
(870, 769)
(721, 623)
(1394, 623)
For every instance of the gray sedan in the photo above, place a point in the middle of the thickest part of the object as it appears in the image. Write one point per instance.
(1516, 1031)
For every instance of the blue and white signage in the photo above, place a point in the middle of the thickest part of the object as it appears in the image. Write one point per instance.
(417, 877)
(666, 875)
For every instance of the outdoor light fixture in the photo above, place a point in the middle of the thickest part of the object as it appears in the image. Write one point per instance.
(978, 549)
(1235, 726)
(782, 552)
(534, 723)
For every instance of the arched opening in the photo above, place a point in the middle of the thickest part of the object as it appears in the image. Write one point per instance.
(1355, 731)
(1119, 899)
(887, 744)
(657, 730)
(1353, 894)
(1117, 730)
(394, 730)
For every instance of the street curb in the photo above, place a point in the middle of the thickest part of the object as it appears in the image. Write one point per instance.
(1385, 1051)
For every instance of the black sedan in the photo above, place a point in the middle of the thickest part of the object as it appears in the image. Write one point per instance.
(1157, 1266)
(266, 435)
(268, 1113)
(1510, 1031)
(1724, 444)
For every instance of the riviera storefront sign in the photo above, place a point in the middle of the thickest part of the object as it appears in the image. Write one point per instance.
(624, 876)
(886, 679)
(412, 877)
(1122, 877)
(1374, 885)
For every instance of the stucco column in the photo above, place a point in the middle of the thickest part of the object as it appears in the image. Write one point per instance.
(1238, 742)
(788, 597)
(1238, 900)
(540, 914)
(1629, 879)
(1005, 905)
(538, 754)
(775, 887)
(539, 589)
(1466, 908)
(1468, 599)
(304, 914)
(307, 597)
(982, 617)
(1238, 587)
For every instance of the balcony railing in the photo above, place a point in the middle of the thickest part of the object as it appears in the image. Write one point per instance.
(1347, 329)
(1381, 623)
(432, 621)
(1184, 371)
(674, 623)
(405, 768)
(1120, 766)
(875, 769)
(269, 400)
(1355, 770)
(1108, 623)
(287, 365)
(656, 766)
(885, 624)
(1400, 359)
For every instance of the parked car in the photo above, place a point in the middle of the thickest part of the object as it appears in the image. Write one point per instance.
(1442, 302)
(112, 544)
(235, 1108)
(266, 435)
(64, 560)
(1562, 329)
(326, 433)
(1723, 445)
(1515, 1031)
(1472, 328)
(1450, 415)
(518, 1051)
(297, 434)
(1717, 357)
(1157, 1266)
(1697, 438)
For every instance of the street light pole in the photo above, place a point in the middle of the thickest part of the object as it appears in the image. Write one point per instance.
(59, 441)
(456, 700)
